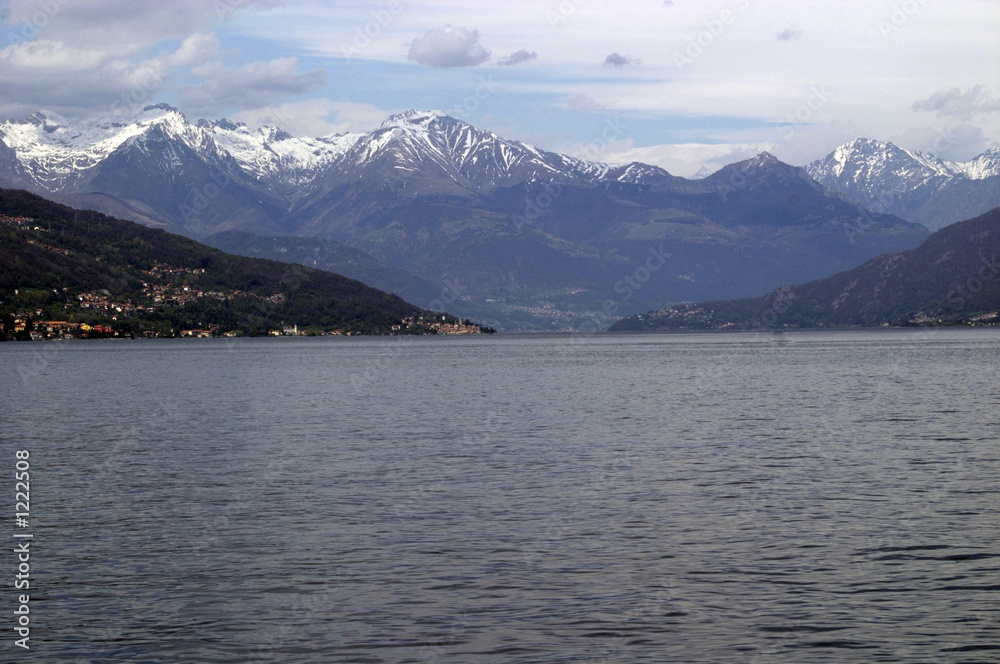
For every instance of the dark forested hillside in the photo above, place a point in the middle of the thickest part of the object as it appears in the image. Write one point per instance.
(57, 263)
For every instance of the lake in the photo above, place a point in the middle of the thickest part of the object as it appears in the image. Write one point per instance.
(777, 497)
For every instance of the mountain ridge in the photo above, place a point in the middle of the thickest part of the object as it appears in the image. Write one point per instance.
(917, 186)
(543, 239)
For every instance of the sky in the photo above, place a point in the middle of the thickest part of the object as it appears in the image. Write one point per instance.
(684, 84)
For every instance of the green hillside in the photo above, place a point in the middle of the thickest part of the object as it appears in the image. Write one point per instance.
(110, 277)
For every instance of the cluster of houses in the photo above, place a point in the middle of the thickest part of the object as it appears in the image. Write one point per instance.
(441, 326)
(98, 301)
(20, 222)
(60, 329)
(174, 295)
(989, 319)
(164, 288)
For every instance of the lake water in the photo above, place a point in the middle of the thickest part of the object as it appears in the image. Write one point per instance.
(793, 497)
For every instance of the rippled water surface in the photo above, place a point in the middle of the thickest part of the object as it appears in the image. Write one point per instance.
(797, 497)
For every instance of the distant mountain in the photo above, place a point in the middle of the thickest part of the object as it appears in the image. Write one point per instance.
(544, 240)
(55, 260)
(916, 186)
(952, 278)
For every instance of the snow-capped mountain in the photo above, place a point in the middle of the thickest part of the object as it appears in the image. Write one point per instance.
(496, 219)
(432, 144)
(917, 186)
(276, 156)
(56, 155)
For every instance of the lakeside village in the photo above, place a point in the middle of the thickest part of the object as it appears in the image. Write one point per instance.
(25, 328)
(99, 315)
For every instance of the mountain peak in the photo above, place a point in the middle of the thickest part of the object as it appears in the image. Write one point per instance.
(412, 117)
(157, 111)
(764, 158)
(763, 162)
(915, 185)
(867, 143)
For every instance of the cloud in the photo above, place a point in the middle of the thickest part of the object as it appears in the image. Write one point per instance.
(789, 34)
(668, 3)
(952, 102)
(253, 85)
(683, 159)
(119, 27)
(619, 60)
(584, 102)
(517, 58)
(449, 47)
(77, 82)
(316, 117)
(196, 48)
(958, 143)
(103, 56)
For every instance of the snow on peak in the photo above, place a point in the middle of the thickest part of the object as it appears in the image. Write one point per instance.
(414, 118)
(984, 166)
(764, 158)
(865, 159)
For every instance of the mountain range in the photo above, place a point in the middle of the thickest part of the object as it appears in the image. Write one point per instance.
(952, 278)
(530, 238)
(916, 186)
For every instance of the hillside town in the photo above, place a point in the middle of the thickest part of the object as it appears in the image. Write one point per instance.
(99, 314)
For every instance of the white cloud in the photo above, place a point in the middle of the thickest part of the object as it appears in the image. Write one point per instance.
(952, 102)
(76, 82)
(253, 85)
(449, 47)
(316, 117)
(119, 27)
(957, 143)
(684, 160)
(196, 48)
